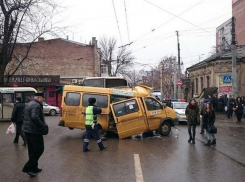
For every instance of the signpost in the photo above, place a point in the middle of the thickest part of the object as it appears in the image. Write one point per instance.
(179, 83)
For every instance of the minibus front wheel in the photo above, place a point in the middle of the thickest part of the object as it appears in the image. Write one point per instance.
(165, 128)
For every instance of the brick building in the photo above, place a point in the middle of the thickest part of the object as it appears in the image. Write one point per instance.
(238, 11)
(70, 61)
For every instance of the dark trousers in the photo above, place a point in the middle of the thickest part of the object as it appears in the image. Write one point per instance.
(19, 132)
(193, 134)
(239, 116)
(229, 112)
(35, 150)
(95, 133)
(202, 123)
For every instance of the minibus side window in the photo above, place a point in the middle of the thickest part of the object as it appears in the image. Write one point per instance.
(152, 104)
(8, 98)
(29, 96)
(72, 99)
(19, 94)
(125, 108)
(101, 100)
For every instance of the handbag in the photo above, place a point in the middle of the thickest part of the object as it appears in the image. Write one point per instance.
(11, 130)
(212, 129)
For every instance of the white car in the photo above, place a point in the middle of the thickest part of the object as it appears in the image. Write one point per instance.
(179, 108)
(51, 110)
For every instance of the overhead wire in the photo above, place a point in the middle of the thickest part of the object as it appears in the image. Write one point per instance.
(117, 22)
(162, 24)
(126, 17)
(175, 15)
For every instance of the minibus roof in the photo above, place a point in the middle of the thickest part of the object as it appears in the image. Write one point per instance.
(138, 91)
(16, 89)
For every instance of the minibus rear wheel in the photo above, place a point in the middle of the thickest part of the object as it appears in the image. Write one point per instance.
(165, 128)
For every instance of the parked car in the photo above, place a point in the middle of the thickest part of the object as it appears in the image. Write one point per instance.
(179, 108)
(51, 110)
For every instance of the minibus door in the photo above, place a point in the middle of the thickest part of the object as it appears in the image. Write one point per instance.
(129, 117)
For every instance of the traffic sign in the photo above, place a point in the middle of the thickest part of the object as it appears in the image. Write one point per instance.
(179, 83)
(227, 79)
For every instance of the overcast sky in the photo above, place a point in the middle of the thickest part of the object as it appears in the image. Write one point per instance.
(196, 23)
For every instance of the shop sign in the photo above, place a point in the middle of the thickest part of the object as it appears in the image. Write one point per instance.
(33, 80)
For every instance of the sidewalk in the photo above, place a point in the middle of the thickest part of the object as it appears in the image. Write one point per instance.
(230, 137)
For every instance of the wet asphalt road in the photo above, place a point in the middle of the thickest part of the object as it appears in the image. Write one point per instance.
(167, 159)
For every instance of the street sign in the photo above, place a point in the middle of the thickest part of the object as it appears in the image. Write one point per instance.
(179, 83)
(227, 79)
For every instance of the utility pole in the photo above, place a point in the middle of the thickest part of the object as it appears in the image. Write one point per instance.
(152, 78)
(175, 79)
(233, 47)
(178, 75)
(161, 77)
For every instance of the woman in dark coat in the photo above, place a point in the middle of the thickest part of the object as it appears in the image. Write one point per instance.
(193, 117)
(209, 119)
(239, 109)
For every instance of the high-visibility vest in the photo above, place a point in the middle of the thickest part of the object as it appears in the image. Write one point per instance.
(90, 117)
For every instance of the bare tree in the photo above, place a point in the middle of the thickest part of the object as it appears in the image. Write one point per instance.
(117, 59)
(21, 23)
(167, 74)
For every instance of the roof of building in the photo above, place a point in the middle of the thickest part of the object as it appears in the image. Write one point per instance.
(224, 55)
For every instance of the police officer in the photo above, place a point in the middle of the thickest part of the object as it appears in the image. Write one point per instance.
(91, 124)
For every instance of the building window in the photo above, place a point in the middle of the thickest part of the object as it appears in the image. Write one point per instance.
(196, 85)
(201, 83)
(103, 68)
(208, 81)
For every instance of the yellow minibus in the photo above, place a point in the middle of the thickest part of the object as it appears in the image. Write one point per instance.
(125, 111)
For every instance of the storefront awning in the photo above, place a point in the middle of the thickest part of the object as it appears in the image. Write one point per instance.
(207, 91)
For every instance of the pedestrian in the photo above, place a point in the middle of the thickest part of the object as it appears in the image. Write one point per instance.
(193, 118)
(202, 111)
(91, 125)
(230, 105)
(239, 109)
(215, 103)
(209, 120)
(18, 120)
(34, 127)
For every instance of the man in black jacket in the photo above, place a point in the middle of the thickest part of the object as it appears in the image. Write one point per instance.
(18, 120)
(34, 127)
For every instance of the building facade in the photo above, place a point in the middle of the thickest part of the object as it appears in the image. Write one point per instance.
(238, 11)
(216, 71)
(223, 36)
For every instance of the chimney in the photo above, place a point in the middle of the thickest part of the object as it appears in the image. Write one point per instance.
(94, 41)
(40, 39)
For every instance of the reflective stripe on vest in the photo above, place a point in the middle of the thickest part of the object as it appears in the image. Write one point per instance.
(90, 117)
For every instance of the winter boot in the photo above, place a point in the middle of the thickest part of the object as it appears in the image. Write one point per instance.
(213, 142)
(190, 139)
(193, 141)
(208, 143)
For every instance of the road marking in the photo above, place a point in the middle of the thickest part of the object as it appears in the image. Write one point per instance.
(138, 171)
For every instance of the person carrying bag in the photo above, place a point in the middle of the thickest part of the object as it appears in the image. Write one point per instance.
(209, 120)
